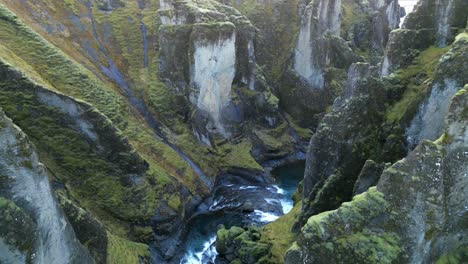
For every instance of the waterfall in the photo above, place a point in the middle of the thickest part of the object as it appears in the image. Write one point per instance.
(307, 61)
(29, 187)
(429, 121)
(212, 74)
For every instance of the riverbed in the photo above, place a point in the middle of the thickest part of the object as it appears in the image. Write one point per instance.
(236, 203)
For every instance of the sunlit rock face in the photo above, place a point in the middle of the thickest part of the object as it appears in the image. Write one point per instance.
(428, 123)
(28, 196)
(320, 18)
(213, 73)
(206, 49)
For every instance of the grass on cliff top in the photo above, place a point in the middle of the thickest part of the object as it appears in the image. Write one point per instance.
(351, 14)
(279, 233)
(122, 251)
(424, 65)
(238, 156)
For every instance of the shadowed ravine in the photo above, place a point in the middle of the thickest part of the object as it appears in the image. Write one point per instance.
(237, 204)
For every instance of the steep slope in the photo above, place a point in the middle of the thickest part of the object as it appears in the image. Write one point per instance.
(78, 54)
(89, 159)
(138, 112)
(400, 111)
(332, 35)
(420, 223)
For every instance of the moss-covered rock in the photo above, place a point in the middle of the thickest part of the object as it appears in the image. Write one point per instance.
(17, 230)
(346, 138)
(431, 23)
(238, 245)
(334, 34)
(413, 215)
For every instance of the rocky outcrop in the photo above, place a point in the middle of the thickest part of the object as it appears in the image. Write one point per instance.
(345, 139)
(428, 123)
(433, 22)
(29, 204)
(310, 53)
(208, 53)
(333, 35)
(340, 147)
(241, 245)
(368, 177)
(414, 215)
(53, 121)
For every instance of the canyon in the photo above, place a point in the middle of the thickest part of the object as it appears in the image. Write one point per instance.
(233, 131)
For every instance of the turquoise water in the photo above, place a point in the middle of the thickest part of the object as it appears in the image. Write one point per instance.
(200, 245)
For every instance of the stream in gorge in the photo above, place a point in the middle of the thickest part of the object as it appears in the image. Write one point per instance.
(240, 203)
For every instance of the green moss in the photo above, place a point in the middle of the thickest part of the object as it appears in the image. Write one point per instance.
(278, 23)
(125, 252)
(174, 202)
(424, 66)
(97, 179)
(373, 248)
(238, 156)
(72, 5)
(279, 234)
(48, 66)
(351, 14)
(277, 140)
(16, 226)
(303, 133)
(455, 257)
(346, 235)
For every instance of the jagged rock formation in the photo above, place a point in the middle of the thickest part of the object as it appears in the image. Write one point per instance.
(338, 150)
(333, 35)
(429, 120)
(214, 53)
(433, 22)
(418, 223)
(140, 110)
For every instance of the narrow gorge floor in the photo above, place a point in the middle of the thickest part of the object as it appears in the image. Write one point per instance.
(200, 243)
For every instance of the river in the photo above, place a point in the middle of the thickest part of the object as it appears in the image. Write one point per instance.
(236, 203)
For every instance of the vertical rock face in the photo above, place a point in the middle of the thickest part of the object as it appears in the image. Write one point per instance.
(393, 13)
(213, 73)
(333, 35)
(428, 123)
(207, 48)
(25, 182)
(340, 146)
(433, 22)
(320, 18)
(444, 13)
(414, 215)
